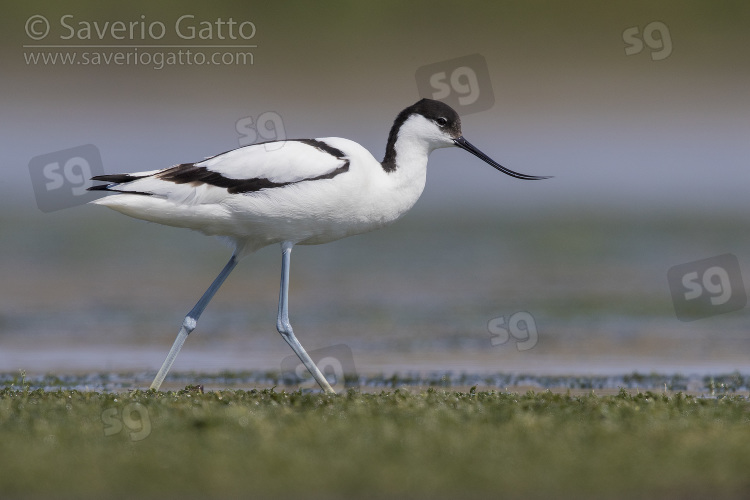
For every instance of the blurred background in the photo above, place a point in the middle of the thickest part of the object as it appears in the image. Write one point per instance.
(640, 111)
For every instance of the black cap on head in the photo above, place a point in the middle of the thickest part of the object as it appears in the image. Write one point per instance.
(439, 112)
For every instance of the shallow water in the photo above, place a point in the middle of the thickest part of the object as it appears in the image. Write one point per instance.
(88, 291)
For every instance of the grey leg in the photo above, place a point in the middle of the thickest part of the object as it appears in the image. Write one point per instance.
(190, 321)
(285, 328)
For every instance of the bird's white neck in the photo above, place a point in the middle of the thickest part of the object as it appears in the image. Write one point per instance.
(410, 143)
(405, 162)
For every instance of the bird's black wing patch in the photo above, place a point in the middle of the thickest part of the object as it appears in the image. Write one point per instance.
(322, 146)
(193, 174)
(190, 173)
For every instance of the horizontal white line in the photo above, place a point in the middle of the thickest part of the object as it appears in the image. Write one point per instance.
(139, 46)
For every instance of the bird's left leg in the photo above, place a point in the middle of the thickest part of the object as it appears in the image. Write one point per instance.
(188, 324)
(285, 327)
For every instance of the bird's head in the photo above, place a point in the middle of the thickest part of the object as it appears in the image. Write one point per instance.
(439, 126)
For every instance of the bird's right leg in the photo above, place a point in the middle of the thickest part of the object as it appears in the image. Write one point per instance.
(188, 324)
(285, 327)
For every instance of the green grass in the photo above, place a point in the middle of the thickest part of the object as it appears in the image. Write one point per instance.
(430, 444)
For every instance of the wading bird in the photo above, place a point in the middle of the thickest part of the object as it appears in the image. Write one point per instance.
(304, 192)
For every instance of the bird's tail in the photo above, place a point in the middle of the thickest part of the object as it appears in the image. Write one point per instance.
(112, 179)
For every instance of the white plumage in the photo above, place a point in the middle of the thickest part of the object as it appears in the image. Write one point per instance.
(306, 191)
(305, 212)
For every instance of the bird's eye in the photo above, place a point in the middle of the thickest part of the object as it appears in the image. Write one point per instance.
(442, 121)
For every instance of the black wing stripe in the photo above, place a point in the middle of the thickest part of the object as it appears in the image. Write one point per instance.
(322, 146)
(189, 173)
